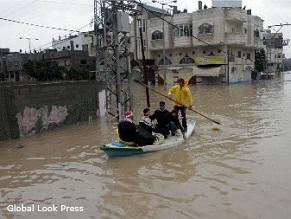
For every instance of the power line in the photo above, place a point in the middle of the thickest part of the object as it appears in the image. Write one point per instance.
(20, 9)
(66, 3)
(37, 25)
(48, 27)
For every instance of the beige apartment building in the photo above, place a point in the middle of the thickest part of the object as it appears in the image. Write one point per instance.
(207, 46)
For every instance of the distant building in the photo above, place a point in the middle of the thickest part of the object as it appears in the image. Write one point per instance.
(81, 42)
(207, 46)
(274, 52)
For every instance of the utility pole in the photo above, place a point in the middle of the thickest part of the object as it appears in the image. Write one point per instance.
(29, 44)
(111, 19)
(164, 3)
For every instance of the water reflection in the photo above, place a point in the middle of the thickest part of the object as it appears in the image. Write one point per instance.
(240, 170)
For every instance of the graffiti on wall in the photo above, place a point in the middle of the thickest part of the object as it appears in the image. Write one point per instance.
(31, 118)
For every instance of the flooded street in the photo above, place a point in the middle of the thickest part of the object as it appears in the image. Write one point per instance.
(240, 169)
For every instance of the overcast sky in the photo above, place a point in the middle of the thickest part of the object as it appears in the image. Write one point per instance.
(36, 19)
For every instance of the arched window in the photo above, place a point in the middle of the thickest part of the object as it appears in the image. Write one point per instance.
(157, 35)
(168, 61)
(186, 60)
(205, 28)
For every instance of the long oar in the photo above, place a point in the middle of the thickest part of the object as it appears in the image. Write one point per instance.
(137, 81)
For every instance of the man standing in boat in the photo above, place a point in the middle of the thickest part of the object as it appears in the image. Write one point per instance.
(182, 97)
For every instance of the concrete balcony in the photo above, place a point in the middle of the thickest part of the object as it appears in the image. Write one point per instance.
(236, 15)
(235, 38)
(183, 41)
(158, 44)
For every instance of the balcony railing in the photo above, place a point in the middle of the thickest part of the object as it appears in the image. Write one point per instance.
(236, 15)
(235, 38)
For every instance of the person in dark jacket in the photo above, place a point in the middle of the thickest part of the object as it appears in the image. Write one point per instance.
(127, 129)
(131, 134)
(176, 124)
(163, 117)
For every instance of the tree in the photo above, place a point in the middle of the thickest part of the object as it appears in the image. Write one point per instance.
(78, 74)
(260, 60)
(44, 70)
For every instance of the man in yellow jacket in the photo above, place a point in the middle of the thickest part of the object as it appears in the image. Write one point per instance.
(182, 96)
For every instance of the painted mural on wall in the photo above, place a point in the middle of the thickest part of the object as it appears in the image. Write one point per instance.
(31, 118)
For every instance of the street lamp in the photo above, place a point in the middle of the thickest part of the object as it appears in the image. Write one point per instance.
(163, 3)
(29, 43)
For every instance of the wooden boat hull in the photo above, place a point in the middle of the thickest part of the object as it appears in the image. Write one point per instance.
(119, 149)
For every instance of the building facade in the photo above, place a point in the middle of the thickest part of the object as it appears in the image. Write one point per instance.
(207, 46)
(81, 42)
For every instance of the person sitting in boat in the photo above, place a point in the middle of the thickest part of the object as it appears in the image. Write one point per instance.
(163, 117)
(145, 121)
(131, 134)
(176, 124)
(126, 129)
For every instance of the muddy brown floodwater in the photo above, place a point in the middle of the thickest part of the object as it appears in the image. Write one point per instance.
(239, 170)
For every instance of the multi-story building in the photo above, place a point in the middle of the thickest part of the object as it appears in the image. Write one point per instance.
(208, 46)
(274, 53)
(82, 41)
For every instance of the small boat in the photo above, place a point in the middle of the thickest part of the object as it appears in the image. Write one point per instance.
(119, 149)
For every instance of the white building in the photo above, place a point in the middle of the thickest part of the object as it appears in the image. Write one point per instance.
(207, 46)
(82, 41)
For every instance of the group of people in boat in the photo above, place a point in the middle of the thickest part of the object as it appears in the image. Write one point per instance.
(167, 122)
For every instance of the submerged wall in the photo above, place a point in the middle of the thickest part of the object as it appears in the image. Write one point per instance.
(32, 108)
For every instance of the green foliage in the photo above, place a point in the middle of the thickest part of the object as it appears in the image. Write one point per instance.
(260, 60)
(78, 74)
(45, 70)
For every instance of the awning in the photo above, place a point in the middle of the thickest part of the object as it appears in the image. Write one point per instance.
(195, 71)
(207, 71)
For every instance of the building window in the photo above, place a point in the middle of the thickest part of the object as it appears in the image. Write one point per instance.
(145, 45)
(239, 54)
(186, 60)
(205, 28)
(83, 62)
(157, 35)
(248, 56)
(183, 30)
(142, 24)
(257, 33)
(167, 61)
(231, 57)
(77, 45)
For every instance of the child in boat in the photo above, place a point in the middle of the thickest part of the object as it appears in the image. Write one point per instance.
(145, 121)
